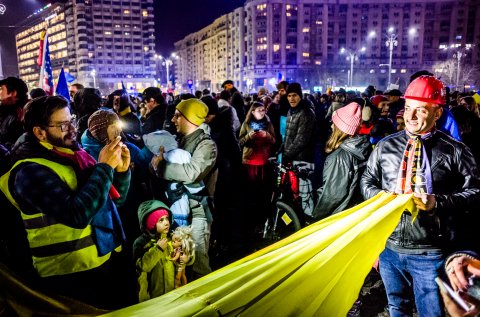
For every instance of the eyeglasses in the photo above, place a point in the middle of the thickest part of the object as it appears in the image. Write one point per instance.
(177, 115)
(65, 126)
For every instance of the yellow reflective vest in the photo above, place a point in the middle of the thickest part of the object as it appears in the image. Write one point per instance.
(57, 249)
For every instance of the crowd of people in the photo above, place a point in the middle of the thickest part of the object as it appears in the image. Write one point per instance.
(113, 200)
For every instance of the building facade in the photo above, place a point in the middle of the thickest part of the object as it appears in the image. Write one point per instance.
(324, 43)
(100, 43)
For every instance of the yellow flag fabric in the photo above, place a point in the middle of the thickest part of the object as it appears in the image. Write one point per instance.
(318, 271)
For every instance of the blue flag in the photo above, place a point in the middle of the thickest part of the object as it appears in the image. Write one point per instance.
(69, 77)
(62, 87)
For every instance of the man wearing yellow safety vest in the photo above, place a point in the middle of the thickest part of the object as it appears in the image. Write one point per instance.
(442, 176)
(67, 202)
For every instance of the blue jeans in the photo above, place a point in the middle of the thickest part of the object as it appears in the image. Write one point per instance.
(404, 274)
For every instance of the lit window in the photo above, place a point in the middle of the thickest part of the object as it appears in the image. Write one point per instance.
(318, 63)
(305, 54)
(318, 22)
(127, 33)
(145, 13)
(276, 47)
(288, 47)
(372, 71)
(289, 14)
(403, 71)
(394, 71)
(118, 26)
(288, 7)
(107, 33)
(126, 11)
(306, 30)
(145, 48)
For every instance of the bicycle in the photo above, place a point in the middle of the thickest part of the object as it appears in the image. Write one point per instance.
(283, 220)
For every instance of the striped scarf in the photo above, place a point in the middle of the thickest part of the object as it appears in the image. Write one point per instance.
(415, 175)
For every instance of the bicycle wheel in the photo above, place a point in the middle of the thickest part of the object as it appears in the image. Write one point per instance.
(287, 221)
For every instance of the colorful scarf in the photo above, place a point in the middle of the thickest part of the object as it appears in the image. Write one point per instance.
(415, 175)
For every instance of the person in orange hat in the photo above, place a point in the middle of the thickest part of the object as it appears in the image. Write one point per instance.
(443, 178)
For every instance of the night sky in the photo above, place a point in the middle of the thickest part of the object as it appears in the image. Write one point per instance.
(174, 19)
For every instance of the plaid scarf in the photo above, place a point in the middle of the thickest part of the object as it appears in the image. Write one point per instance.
(415, 175)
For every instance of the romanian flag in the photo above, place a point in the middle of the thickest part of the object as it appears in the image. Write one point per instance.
(45, 80)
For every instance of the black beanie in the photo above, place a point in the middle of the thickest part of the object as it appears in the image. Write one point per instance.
(295, 88)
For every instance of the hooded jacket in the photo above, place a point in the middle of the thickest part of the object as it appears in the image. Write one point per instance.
(341, 177)
(155, 271)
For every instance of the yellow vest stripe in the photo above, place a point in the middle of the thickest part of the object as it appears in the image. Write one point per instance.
(57, 249)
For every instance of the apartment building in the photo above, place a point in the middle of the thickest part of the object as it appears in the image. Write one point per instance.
(99, 42)
(320, 42)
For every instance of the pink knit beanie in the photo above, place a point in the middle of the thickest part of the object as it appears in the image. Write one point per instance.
(153, 218)
(348, 118)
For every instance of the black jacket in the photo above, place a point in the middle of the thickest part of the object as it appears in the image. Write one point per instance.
(11, 126)
(154, 120)
(299, 138)
(456, 185)
(341, 177)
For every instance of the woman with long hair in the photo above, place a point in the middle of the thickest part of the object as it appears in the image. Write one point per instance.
(347, 153)
(257, 136)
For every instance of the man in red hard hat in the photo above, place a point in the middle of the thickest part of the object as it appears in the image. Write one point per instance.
(442, 175)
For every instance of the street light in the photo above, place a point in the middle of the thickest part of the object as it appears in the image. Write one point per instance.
(458, 55)
(167, 62)
(391, 42)
(352, 55)
(93, 73)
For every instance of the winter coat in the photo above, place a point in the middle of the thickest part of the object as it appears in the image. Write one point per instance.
(456, 185)
(39, 189)
(256, 149)
(225, 137)
(222, 104)
(299, 138)
(141, 158)
(204, 153)
(155, 119)
(11, 126)
(138, 191)
(155, 271)
(341, 177)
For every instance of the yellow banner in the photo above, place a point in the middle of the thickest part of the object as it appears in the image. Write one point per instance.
(318, 271)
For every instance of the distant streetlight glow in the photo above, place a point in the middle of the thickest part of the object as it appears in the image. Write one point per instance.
(352, 55)
(93, 73)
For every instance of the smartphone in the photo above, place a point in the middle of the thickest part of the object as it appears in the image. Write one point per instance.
(460, 301)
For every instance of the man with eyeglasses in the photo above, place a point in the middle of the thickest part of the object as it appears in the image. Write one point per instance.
(67, 203)
(189, 115)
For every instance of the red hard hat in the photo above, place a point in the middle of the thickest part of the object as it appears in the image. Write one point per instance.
(427, 89)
